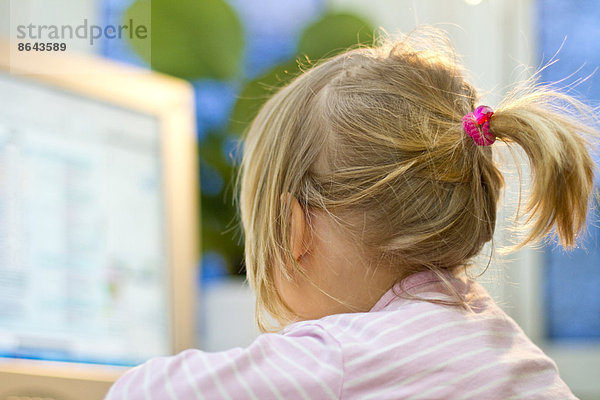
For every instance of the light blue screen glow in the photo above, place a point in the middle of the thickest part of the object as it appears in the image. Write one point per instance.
(82, 255)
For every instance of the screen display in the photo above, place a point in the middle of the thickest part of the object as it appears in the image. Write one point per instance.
(83, 260)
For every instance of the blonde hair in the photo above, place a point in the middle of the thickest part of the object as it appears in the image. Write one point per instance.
(374, 137)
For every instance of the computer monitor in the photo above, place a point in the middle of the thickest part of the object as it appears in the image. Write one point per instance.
(98, 223)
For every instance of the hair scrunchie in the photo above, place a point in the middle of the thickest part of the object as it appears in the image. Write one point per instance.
(477, 125)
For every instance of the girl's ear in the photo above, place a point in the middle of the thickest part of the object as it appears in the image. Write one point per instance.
(298, 233)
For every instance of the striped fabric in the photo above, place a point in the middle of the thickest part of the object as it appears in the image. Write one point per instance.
(401, 349)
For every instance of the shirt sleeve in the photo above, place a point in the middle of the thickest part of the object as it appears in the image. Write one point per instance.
(304, 363)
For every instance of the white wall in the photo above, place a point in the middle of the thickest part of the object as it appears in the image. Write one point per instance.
(494, 36)
(51, 12)
(4, 18)
(226, 315)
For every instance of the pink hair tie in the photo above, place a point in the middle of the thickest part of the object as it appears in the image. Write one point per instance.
(477, 125)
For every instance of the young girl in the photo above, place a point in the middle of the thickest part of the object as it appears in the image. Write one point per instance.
(368, 186)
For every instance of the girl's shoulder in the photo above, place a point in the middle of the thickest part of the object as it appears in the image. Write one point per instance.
(407, 347)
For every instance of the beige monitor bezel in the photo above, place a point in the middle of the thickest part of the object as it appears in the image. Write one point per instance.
(170, 100)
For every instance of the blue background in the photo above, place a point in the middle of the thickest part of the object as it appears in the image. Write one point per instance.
(572, 280)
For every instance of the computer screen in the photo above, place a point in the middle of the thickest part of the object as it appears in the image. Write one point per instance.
(99, 223)
(82, 246)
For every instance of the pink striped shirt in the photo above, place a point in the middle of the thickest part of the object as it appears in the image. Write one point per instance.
(401, 349)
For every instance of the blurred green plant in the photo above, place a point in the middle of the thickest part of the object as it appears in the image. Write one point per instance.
(199, 39)
(189, 39)
(326, 37)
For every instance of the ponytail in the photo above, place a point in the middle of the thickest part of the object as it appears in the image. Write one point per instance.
(549, 127)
